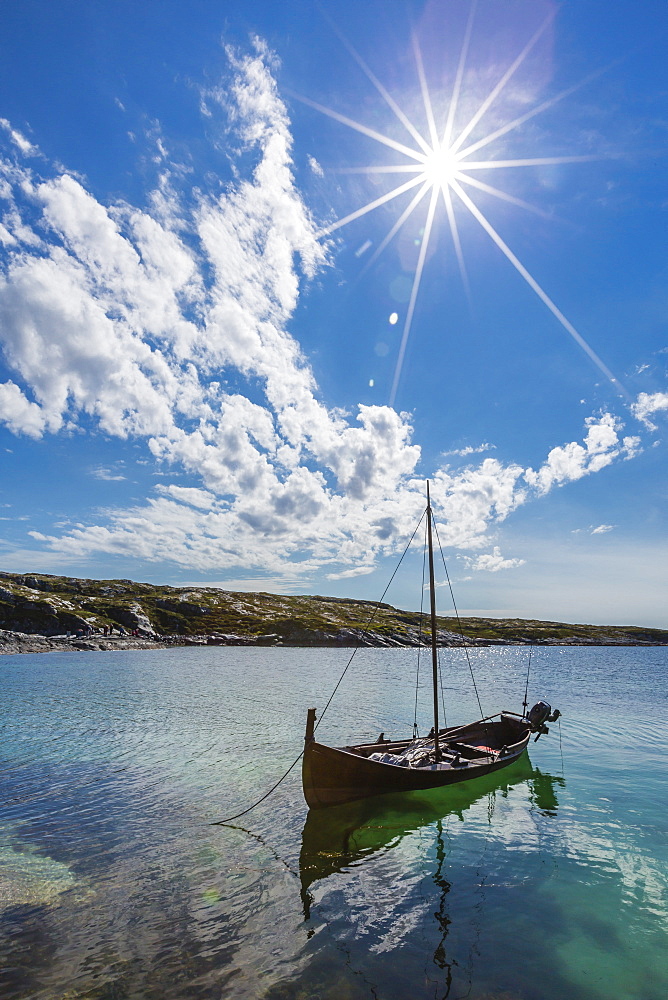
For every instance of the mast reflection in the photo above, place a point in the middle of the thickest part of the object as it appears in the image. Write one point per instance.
(441, 914)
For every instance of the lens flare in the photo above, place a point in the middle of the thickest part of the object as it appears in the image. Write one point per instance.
(440, 165)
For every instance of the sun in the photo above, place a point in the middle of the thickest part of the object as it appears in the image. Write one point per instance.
(441, 167)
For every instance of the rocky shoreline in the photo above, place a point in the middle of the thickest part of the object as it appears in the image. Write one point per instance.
(22, 642)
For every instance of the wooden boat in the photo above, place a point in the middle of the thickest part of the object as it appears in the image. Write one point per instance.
(334, 775)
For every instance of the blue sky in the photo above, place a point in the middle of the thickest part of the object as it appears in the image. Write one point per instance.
(208, 375)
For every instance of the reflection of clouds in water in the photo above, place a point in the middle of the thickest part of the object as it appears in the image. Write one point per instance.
(29, 878)
(588, 842)
(591, 836)
(384, 900)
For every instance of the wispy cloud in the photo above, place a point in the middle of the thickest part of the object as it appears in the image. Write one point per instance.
(348, 574)
(594, 529)
(253, 584)
(19, 139)
(102, 472)
(315, 166)
(469, 450)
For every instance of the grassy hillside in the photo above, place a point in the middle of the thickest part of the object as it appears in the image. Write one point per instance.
(53, 605)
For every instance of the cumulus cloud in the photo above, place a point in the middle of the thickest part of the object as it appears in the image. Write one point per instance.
(135, 322)
(474, 498)
(302, 525)
(19, 413)
(601, 446)
(492, 562)
(648, 403)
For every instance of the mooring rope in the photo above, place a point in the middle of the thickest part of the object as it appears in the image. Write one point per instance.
(225, 822)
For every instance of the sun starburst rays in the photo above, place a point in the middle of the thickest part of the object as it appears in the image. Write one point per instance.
(440, 163)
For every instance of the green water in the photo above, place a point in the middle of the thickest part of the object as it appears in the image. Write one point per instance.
(545, 881)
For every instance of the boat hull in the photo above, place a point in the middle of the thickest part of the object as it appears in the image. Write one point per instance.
(332, 776)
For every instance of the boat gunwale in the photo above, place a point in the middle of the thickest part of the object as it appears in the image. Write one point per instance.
(513, 750)
(372, 777)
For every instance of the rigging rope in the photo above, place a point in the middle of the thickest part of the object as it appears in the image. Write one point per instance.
(375, 611)
(526, 689)
(440, 680)
(417, 672)
(224, 822)
(459, 622)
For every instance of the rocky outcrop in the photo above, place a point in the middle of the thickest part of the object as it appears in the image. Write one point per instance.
(44, 606)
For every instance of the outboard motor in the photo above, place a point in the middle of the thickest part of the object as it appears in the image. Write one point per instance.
(539, 715)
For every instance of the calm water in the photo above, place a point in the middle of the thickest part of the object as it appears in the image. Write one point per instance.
(546, 882)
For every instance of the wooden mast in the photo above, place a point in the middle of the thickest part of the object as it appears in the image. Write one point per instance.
(432, 598)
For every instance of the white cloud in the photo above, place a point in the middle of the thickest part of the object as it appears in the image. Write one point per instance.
(20, 414)
(315, 166)
(474, 498)
(133, 322)
(602, 529)
(201, 499)
(347, 574)
(20, 140)
(108, 475)
(492, 562)
(253, 585)
(300, 525)
(648, 403)
(601, 446)
(469, 450)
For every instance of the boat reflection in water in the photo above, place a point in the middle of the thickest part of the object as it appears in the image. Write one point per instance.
(341, 837)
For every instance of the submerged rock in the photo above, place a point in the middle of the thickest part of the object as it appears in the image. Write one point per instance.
(28, 878)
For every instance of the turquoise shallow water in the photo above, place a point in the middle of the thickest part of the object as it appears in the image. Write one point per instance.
(546, 881)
